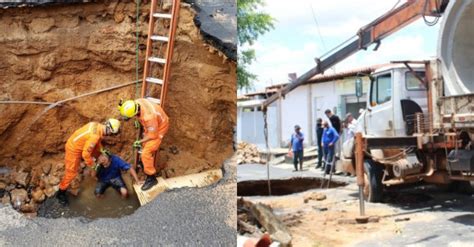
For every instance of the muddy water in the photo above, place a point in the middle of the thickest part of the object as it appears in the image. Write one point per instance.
(112, 205)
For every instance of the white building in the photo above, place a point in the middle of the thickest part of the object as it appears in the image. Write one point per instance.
(302, 106)
(250, 120)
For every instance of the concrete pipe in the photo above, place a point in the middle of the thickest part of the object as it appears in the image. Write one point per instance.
(456, 47)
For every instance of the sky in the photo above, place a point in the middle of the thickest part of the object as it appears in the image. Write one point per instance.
(296, 39)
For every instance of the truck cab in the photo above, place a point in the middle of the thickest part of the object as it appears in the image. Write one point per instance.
(396, 93)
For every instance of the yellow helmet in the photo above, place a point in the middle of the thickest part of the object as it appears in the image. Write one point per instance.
(113, 124)
(128, 108)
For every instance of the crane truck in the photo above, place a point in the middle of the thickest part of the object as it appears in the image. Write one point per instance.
(418, 124)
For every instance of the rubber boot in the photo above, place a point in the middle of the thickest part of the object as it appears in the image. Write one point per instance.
(62, 197)
(150, 181)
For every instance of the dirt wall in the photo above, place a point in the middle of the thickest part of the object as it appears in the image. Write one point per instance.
(55, 52)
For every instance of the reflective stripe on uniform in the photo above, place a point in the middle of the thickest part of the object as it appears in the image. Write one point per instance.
(84, 133)
(150, 105)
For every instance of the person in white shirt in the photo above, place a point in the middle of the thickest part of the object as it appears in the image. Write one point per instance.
(351, 124)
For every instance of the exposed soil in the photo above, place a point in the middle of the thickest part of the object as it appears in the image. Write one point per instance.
(51, 53)
(327, 222)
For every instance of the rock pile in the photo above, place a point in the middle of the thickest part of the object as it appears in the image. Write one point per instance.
(314, 196)
(25, 189)
(248, 154)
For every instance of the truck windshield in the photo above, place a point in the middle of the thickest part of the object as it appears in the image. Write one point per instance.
(384, 88)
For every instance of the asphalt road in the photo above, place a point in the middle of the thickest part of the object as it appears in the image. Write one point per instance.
(184, 217)
(217, 20)
(438, 219)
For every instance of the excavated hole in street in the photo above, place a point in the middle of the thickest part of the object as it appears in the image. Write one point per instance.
(283, 186)
(86, 205)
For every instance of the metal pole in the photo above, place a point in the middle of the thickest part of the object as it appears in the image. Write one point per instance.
(359, 158)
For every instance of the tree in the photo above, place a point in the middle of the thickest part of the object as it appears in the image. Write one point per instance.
(251, 23)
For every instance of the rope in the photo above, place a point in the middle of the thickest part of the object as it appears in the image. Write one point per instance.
(54, 104)
(390, 158)
(435, 20)
(137, 50)
(25, 102)
(96, 92)
(317, 26)
(265, 131)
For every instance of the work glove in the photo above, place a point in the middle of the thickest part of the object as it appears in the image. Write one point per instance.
(137, 124)
(137, 144)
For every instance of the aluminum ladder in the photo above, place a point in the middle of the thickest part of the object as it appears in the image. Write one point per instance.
(156, 70)
(158, 60)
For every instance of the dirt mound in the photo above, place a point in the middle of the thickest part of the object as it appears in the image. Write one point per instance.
(55, 52)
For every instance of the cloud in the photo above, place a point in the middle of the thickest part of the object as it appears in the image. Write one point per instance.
(276, 60)
(330, 13)
(295, 41)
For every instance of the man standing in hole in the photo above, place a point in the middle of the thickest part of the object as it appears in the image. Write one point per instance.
(296, 144)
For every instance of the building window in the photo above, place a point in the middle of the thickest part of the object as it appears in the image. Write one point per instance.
(412, 83)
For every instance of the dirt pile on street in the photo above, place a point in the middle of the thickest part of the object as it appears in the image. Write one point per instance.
(319, 219)
(56, 52)
(247, 153)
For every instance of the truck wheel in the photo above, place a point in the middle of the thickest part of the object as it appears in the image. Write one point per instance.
(373, 188)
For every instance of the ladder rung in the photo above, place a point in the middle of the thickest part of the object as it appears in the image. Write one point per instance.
(162, 15)
(154, 80)
(159, 38)
(157, 60)
(154, 100)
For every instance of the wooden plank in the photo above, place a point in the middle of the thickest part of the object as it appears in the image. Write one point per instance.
(193, 180)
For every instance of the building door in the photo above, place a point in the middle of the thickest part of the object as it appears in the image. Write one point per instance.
(354, 108)
(318, 112)
(353, 105)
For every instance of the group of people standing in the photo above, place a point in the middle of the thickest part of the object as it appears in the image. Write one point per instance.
(328, 135)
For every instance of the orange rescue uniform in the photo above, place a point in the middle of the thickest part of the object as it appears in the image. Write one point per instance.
(155, 123)
(84, 143)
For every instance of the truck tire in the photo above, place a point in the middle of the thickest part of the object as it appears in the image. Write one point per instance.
(373, 189)
(462, 187)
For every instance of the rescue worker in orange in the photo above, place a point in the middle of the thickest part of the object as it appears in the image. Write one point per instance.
(85, 143)
(155, 123)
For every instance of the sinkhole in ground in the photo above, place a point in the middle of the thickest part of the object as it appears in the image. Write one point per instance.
(86, 205)
(281, 187)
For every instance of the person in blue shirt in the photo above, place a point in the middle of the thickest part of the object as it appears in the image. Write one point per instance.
(330, 137)
(296, 144)
(109, 173)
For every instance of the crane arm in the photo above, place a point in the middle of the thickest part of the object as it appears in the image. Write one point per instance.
(372, 33)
